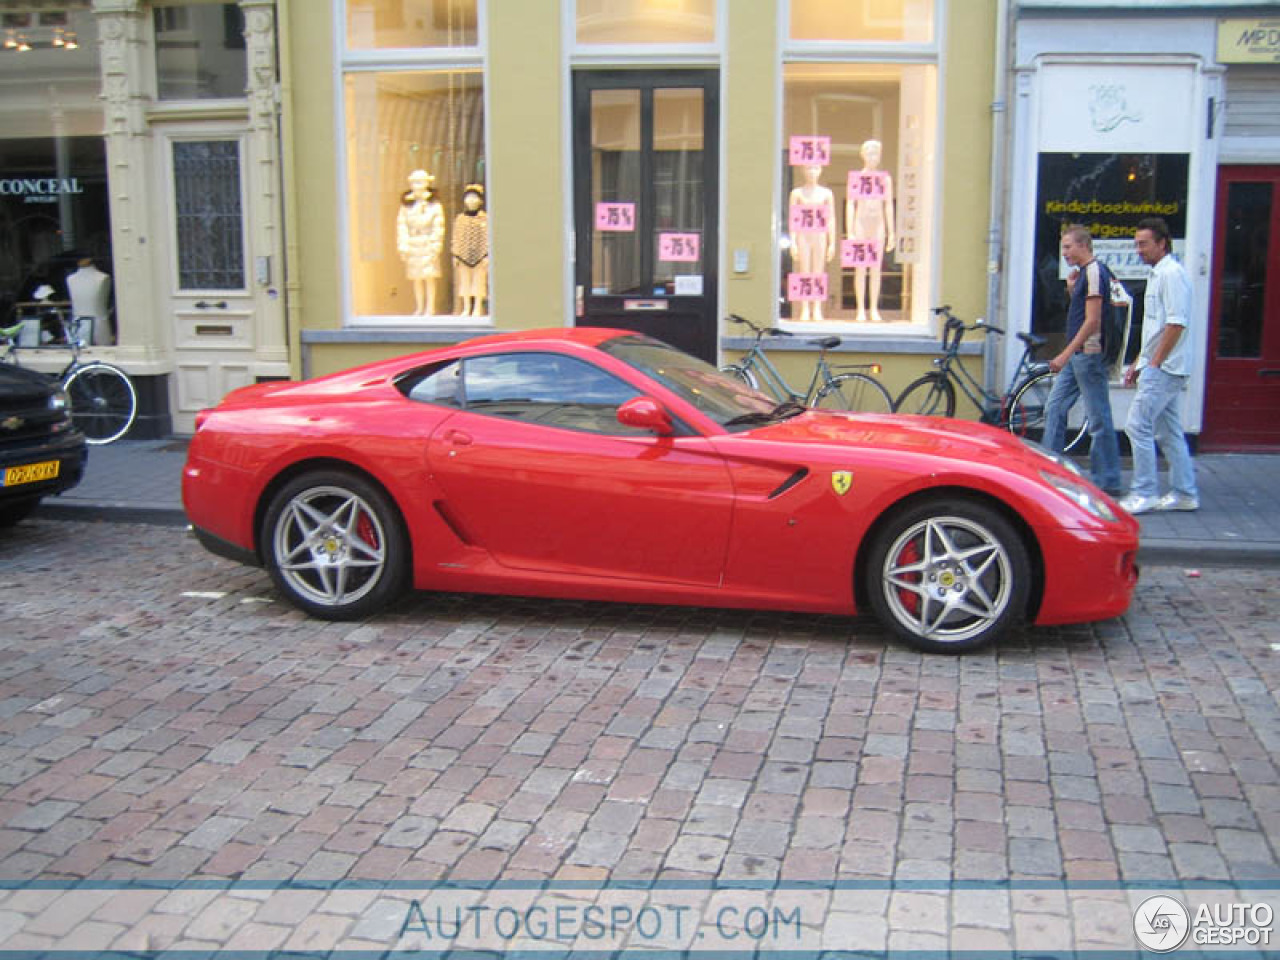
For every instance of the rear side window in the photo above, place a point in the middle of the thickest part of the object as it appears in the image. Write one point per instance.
(438, 385)
(546, 388)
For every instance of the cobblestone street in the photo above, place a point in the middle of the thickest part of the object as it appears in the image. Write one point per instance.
(162, 716)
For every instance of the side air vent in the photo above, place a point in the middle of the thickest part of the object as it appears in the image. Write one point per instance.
(790, 482)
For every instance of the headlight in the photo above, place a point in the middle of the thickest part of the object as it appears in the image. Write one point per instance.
(1081, 495)
(1059, 459)
(58, 400)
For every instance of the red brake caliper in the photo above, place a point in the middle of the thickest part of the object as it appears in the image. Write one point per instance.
(368, 532)
(910, 600)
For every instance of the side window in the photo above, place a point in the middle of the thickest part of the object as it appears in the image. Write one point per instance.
(547, 389)
(440, 385)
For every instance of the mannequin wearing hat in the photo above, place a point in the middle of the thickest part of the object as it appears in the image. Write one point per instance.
(471, 253)
(869, 216)
(420, 239)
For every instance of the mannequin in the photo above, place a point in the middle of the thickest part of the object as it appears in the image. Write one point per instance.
(90, 289)
(870, 217)
(471, 253)
(812, 251)
(420, 239)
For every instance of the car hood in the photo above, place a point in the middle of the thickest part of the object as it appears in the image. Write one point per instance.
(932, 436)
(19, 383)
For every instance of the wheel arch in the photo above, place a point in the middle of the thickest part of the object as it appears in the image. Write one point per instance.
(321, 463)
(950, 494)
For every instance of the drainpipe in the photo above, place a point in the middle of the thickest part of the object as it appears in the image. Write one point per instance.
(999, 177)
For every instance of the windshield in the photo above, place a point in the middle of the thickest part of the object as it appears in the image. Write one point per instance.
(725, 399)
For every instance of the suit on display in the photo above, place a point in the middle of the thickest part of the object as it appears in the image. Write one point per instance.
(90, 291)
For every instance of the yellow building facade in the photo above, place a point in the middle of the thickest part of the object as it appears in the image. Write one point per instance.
(460, 167)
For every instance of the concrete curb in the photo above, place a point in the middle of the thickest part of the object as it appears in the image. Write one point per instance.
(89, 512)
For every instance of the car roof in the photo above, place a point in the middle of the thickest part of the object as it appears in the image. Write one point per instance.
(586, 336)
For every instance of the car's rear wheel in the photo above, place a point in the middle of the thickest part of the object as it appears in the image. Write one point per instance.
(335, 545)
(949, 576)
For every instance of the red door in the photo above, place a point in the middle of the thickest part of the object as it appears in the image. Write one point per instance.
(1242, 393)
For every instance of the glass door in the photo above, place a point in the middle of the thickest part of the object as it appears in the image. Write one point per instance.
(645, 204)
(1242, 393)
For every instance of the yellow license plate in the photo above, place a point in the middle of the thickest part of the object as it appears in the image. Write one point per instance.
(32, 473)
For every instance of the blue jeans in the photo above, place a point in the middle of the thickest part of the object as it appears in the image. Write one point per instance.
(1154, 417)
(1085, 377)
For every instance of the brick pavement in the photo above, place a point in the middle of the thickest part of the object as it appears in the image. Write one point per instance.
(163, 717)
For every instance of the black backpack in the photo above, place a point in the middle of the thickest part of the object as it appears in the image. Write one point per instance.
(1112, 317)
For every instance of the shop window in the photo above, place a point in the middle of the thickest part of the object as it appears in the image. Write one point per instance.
(646, 21)
(418, 228)
(54, 197)
(402, 24)
(1107, 193)
(862, 21)
(200, 52)
(858, 175)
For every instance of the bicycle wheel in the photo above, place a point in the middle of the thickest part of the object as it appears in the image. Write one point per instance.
(744, 374)
(1027, 410)
(103, 401)
(854, 391)
(932, 395)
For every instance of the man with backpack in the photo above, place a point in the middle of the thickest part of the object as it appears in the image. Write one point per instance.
(1082, 365)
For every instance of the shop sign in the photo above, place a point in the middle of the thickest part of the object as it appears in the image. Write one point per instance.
(40, 189)
(806, 286)
(616, 217)
(680, 247)
(1249, 41)
(860, 253)
(809, 151)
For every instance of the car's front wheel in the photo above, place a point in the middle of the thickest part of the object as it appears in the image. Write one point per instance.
(335, 545)
(949, 576)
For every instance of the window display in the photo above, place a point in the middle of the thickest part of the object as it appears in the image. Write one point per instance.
(415, 153)
(402, 24)
(861, 21)
(862, 132)
(646, 21)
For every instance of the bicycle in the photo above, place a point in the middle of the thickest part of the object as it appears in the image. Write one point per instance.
(832, 387)
(1020, 409)
(103, 401)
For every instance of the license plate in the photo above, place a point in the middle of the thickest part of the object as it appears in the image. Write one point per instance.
(32, 473)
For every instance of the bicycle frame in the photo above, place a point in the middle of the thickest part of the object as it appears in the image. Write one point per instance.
(758, 362)
(992, 407)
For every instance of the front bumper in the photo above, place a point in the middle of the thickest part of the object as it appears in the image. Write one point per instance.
(68, 449)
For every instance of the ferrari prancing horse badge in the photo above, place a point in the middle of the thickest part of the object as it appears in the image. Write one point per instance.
(841, 481)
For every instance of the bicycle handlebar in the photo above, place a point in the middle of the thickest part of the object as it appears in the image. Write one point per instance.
(954, 329)
(760, 331)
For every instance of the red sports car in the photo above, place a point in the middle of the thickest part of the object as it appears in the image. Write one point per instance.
(598, 464)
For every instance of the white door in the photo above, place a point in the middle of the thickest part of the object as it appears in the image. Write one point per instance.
(211, 293)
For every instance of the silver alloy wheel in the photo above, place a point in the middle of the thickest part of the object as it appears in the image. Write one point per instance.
(947, 579)
(330, 546)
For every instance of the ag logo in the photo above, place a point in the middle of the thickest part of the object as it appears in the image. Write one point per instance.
(1161, 924)
(841, 481)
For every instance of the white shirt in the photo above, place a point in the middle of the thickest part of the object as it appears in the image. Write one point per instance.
(1167, 301)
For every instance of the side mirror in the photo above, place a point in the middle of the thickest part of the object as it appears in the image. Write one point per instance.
(647, 414)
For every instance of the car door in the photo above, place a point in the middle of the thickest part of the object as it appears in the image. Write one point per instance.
(536, 469)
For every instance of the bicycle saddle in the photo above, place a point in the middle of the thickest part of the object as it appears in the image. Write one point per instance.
(1032, 339)
(826, 343)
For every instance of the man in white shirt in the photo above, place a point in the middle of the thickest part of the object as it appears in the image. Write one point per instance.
(1161, 371)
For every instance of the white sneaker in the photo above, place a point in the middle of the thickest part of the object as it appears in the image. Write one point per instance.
(1177, 501)
(1136, 503)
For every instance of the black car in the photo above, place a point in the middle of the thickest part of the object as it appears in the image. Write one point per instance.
(41, 453)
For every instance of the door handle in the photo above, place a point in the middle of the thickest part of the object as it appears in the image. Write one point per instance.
(202, 305)
(1269, 373)
(457, 438)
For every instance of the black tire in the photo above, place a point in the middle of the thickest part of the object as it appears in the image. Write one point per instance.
(856, 392)
(12, 514)
(335, 545)
(948, 576)
(103, 401)
(1027, 409)
(739, 372)
(932, 395)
